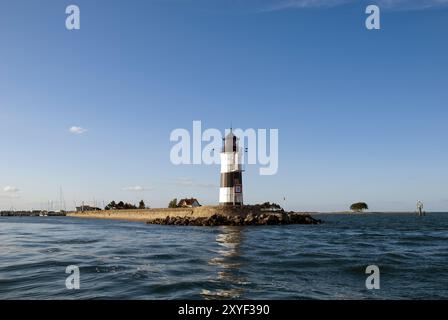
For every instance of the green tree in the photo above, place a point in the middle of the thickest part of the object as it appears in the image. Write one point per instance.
(142, 205)
(173, 203)
(122, 206)
(269, 206)
(128, 206)
(359, 207)
(111, 206)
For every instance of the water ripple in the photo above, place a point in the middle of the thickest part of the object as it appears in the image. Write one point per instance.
(126, 260)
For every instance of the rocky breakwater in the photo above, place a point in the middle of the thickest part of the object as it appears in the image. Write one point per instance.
(261, 219)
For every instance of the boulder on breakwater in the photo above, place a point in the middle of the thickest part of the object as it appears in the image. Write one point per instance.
(261, 219)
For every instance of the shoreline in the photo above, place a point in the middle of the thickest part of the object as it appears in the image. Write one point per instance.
(145, 214)
(202, 216)
(348, 213)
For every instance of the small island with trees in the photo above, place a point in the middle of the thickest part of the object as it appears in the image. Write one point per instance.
(189, 212)
(359, 207)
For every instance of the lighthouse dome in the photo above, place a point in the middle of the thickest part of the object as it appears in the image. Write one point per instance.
(230, 142)
(230, 136)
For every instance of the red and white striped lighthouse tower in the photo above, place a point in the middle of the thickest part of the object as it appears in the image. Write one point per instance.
(231, 187)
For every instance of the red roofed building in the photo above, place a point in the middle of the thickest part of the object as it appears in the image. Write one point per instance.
(188, 203)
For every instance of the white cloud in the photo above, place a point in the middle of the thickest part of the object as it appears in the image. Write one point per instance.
(387, 4)
(411, 4)
(188, 182)
(308, 3)
(10, 189)
(77, 130)
(10, 192)
(136, 189)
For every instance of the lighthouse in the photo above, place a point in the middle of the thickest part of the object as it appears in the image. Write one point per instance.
(231, 187)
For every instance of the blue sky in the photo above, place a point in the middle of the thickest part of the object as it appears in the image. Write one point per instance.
(361, 114)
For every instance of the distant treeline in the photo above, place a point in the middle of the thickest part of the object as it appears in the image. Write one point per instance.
(125, 206)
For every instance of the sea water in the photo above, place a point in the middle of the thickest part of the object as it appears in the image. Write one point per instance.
(132, 260)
